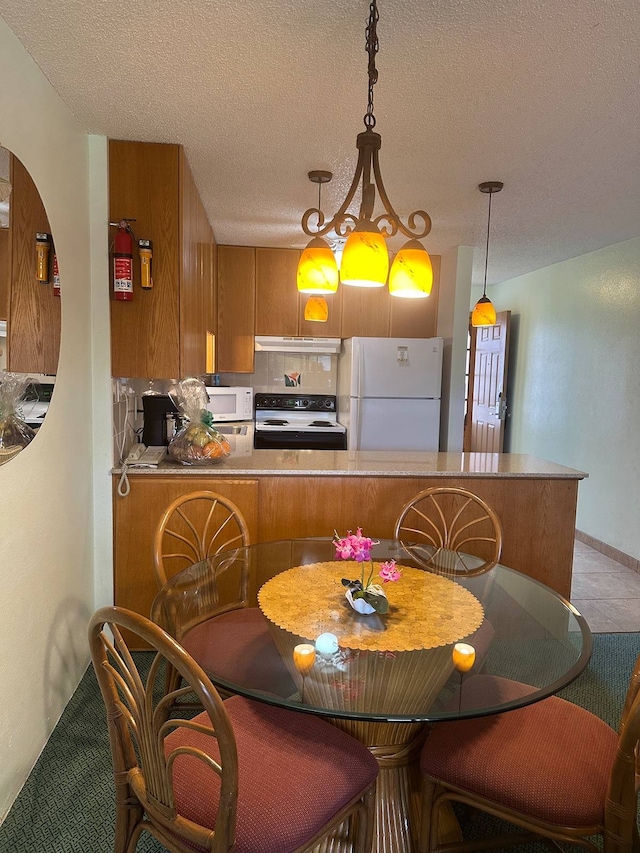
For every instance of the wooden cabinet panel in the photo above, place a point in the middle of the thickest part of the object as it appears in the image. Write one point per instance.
(33, 338)
(365, 312)
(276, 292)
(143, 185)
(136, 518)
(236, 309)
(197, 276)
(5, 272)
(417, 318)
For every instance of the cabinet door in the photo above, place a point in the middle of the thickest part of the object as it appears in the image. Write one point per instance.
(136, 518)
(276, 292)
(236, 309)
(417, 318)
(144, 185)
(33, 334)
(196, 284)
(365, 311)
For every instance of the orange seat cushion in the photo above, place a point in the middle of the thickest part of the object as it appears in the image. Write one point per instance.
(295, 773)
(550, 760)
(237, 647)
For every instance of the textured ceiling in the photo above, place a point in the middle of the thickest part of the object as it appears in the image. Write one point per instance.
(542, 95)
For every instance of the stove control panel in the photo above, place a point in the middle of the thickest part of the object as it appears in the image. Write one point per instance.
(296, 402)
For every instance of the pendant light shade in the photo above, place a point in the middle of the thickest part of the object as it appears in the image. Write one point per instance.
(484, 314)
(317, 268)
(365, 259)
(411, 273)
(316, 309)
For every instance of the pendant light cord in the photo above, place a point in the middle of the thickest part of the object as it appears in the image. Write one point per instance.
(486, 254)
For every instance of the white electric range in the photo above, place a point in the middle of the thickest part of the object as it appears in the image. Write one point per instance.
(297, 422)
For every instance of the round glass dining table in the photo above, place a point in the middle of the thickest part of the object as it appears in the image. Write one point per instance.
(244, 614)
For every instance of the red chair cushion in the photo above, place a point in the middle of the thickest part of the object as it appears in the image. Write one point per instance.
(295, 772)
(237, 646)
(550, 760)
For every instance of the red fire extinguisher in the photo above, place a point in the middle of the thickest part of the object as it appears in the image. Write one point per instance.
(123, 262)
(56, 276)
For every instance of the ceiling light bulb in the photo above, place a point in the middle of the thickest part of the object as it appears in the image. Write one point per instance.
(316, 309)
(411, 273)
(365, 259)
(317, 268)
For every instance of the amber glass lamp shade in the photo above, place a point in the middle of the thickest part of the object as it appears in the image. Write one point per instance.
(317, 268)
(484, 314)
(411, 273)
(316, 309)
(365, 259)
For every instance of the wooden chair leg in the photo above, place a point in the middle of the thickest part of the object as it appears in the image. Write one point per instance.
(426, 815)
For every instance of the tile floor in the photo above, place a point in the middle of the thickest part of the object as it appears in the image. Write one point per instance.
(605, 592)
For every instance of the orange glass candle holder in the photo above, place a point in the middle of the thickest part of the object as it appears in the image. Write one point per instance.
(464, 656)
(304, 656)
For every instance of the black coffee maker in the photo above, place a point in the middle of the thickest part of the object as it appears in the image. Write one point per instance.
(155, 408)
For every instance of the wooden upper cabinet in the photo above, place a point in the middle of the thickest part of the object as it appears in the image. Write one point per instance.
(5, 272)
(365, 312)
(236, 299)
(276, 292)
(162, 331)
(33, 328)
(417, 318)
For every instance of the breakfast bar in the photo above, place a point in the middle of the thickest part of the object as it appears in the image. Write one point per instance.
(298, 493)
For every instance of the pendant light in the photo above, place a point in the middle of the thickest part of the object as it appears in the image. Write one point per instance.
(317, 267)
(316, 309)
(365, 258)
(484, 314)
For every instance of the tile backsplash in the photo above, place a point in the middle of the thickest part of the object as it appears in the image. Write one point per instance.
(278, 372)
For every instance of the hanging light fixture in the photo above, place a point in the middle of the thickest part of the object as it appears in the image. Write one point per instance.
(316, 309)
(365, 258)
(317, 267)
(484, 314)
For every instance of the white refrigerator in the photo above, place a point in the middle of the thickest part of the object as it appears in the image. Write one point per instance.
(389, 393)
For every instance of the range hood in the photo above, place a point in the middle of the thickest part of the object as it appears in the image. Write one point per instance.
(272, 343)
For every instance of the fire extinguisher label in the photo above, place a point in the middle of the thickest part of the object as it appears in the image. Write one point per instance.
(123, 280)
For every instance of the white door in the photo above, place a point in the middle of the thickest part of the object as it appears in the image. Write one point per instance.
(391, 424)
(398, 367)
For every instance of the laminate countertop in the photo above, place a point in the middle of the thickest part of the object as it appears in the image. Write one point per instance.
(371, 463)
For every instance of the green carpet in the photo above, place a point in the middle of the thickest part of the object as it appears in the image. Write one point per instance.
(66, 805)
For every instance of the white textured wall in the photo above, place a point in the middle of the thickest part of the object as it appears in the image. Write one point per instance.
(48, 492)
(575, 387)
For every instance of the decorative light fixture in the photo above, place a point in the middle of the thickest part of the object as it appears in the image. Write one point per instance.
(365, 259)
(317, 267)
(484, 314)
(316, 309)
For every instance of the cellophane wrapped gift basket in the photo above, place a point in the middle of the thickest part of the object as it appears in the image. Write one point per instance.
(15, 434)
(198, 442)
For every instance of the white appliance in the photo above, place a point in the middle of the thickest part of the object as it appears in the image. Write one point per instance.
(310, 346)
(389, 393)
(230, 403)
(298, 422)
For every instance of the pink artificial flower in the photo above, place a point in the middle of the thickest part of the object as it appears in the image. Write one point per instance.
(389, 572)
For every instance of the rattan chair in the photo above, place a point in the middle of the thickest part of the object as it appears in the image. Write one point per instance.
(193, 527)
(551, 768)
(178, 778)
(450, 531)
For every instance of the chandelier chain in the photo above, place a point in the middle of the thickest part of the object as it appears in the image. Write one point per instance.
(372, 49)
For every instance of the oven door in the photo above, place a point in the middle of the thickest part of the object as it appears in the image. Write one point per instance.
(299, 440)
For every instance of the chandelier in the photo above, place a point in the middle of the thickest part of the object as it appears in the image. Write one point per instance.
(365, 258)
(484, 314)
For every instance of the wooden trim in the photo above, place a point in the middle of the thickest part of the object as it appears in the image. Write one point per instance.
(625, 560)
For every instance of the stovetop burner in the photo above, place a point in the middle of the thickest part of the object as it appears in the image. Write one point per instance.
(275, 422)
(321, 424)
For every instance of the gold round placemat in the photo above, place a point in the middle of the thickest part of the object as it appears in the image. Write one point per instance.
(425, 610)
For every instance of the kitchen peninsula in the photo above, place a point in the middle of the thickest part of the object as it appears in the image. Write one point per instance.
(293, 493)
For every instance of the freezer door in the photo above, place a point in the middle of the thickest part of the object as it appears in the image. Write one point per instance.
(398, 367)
(392, 424)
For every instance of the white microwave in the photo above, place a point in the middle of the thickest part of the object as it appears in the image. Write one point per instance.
(232, 403)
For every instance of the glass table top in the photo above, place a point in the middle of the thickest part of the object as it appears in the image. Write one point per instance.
(242, 613)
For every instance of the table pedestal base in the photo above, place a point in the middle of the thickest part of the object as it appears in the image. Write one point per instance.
(396, 747)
